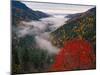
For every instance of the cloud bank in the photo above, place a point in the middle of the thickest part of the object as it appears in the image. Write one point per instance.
(41, 31)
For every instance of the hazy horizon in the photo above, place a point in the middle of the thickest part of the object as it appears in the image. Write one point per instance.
(53, 8)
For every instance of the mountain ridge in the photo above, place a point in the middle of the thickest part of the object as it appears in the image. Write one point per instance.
(85, 23)
(20, 12)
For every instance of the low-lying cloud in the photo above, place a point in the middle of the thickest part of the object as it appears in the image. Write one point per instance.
(41, 31)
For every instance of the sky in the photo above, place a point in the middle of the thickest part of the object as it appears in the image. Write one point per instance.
(54, 8)
(86, 2)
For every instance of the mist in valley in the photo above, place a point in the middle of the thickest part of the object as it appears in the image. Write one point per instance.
(41, 31)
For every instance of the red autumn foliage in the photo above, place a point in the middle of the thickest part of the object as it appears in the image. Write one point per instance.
(76, 54)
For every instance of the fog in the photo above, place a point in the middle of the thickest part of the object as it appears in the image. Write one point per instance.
(41, 31)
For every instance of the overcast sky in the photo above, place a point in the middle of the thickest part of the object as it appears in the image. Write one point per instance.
(58, 8)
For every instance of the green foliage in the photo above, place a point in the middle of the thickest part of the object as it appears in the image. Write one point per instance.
(27, 57)
(83, 27)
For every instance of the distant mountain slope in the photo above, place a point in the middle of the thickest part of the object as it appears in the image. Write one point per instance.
(71, 16)
(83, 27)
(21, 12)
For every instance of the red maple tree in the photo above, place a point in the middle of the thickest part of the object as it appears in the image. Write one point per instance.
(75, 55)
